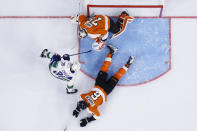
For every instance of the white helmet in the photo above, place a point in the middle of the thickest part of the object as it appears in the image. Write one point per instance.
(75, 66)
(98, 45)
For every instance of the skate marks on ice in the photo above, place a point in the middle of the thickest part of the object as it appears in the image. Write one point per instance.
(147, 39)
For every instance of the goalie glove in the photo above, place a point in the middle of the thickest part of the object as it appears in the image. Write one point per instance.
(82, 33)
(98, 45)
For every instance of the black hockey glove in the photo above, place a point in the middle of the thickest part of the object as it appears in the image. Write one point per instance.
(66, 57)
(56, 57)
(84, 122)
(75, 113)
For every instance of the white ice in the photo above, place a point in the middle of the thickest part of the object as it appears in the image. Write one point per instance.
(31, 99)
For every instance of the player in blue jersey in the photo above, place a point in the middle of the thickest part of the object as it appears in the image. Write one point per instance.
(62, 68)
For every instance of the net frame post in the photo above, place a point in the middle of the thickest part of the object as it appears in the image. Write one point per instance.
(125, 6)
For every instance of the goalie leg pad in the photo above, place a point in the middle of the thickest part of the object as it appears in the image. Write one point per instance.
(123, 26)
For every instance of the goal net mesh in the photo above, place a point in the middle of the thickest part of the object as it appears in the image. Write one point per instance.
(136, 8)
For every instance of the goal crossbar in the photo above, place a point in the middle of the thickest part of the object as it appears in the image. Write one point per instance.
(125, 6)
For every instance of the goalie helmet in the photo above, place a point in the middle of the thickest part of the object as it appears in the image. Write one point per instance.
(98, 45)
(82, 33)
(75, 66)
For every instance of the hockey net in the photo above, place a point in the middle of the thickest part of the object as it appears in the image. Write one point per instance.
(136, 8)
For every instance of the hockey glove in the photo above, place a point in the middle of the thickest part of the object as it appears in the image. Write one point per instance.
(75, 113)
(98, 45)
(84, 122)
(66, 57)
(56, 57)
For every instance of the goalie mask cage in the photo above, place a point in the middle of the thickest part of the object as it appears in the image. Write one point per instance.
(141, 9)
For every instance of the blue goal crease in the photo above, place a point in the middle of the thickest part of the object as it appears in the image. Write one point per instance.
(145, 38)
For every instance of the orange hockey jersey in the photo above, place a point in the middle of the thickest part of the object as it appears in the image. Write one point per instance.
(95, 98)
(96, 26)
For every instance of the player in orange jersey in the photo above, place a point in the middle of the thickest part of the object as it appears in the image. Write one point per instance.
(103, 87)
(98, 26)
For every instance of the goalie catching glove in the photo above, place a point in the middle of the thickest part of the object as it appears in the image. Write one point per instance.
(98, 45)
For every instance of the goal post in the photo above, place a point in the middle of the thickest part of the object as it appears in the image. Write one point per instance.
(151, 9)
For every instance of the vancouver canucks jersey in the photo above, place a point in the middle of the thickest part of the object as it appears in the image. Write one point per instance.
(60, 69)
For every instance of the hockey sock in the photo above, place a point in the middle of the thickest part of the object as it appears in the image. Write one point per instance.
(107, 63)
(121, 72)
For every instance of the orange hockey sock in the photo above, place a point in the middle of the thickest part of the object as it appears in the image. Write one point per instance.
(107, 63)
(121, 72)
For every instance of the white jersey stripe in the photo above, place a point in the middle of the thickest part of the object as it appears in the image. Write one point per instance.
(108, 59)
(106, 23)
(125, 68)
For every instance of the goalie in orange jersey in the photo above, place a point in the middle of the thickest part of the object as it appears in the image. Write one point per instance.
(98, 26)
(103, 87)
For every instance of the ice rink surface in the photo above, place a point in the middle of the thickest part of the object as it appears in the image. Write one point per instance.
(31, 99)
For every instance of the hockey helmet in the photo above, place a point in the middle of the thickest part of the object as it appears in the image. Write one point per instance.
(82, 33)
(98, 45)
(75, 66)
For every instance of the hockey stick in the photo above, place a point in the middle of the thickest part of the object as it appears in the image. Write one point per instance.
(81, 53)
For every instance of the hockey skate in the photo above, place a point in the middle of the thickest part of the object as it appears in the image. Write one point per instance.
(44, 53)
(130, 61)
(112, 49)
(71, 91)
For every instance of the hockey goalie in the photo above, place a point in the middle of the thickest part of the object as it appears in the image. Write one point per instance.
(103, 87)
(97, 27)
(62, 68)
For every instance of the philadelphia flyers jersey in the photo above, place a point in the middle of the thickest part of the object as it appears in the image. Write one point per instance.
(96, 26)
(95, 98)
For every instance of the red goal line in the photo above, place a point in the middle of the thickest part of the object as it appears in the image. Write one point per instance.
(33, 17)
